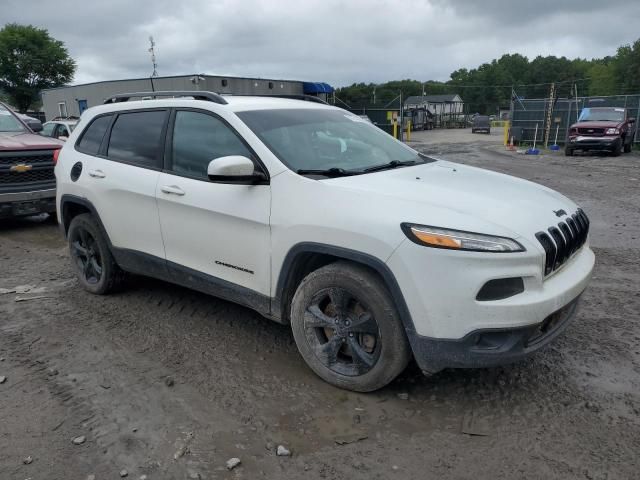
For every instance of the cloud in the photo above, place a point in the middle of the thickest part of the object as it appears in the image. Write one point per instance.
(336, 41)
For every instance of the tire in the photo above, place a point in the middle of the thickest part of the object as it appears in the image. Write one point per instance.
(617, 149)
(91, 258)
(568, 151)
(349, 300)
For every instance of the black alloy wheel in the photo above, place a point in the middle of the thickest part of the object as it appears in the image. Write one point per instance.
(86, 254)
(343, 332)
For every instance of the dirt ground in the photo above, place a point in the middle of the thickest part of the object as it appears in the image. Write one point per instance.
(169, 383)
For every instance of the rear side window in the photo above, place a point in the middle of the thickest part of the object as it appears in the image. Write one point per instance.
(199, 138)
(93, 135)
(136, 138)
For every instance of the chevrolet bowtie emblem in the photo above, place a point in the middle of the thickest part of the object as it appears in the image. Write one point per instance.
(21, 167)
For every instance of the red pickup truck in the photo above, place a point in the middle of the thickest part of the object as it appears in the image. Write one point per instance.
(27, 180)
(602, 128)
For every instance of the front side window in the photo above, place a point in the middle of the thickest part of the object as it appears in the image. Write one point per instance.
(199, 138)
(62, 131)
(136, 137)
(93, 135)
(9, 123)
(323, 139)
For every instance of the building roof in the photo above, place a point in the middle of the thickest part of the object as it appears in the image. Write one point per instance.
(449, 97)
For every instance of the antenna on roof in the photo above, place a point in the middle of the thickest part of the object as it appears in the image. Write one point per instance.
(153, 57)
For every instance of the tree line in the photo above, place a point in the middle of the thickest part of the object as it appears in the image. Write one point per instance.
(491, 85)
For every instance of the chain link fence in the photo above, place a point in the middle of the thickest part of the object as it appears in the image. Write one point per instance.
(529, 113)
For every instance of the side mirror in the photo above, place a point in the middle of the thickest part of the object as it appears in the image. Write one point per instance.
(234, 169)
(34, 125)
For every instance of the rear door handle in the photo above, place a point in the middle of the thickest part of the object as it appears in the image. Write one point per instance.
(172, 190)
(96, 174)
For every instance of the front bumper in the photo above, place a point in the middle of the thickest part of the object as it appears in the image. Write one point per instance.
(491, 347)
(20, 204)
(593, 143)
(446, 319)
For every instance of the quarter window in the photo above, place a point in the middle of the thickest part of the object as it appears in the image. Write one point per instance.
(199, 138)
(136, 138)
(93, 135)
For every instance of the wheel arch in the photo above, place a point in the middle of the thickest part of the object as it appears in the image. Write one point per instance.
(304, 258)
(71, 206)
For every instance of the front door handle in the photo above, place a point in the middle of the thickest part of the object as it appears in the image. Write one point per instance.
(96, 174)
(172, 190)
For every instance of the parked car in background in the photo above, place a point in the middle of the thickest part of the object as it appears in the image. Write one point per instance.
(481, 123)
(59, 127)
(27, 180)
(372, 252)
(609, 129)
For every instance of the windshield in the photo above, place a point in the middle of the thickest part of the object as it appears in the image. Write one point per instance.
(9, 123)
(323, 139)
(602, 115)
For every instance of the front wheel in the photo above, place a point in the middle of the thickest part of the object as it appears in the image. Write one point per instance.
(347, 328)
(617, 148)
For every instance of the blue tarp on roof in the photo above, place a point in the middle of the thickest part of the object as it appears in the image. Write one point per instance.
(316, 87)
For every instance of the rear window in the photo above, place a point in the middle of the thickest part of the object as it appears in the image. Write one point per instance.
(136, 138)
(93, 135)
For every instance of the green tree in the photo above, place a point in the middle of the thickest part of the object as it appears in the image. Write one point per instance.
(627, 68)
(30, 60)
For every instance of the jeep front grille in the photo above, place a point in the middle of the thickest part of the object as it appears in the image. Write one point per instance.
(561, 241)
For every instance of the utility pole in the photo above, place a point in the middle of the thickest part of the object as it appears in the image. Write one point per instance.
(547, 128)
(153, 57)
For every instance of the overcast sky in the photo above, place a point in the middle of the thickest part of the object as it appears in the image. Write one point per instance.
(339, 42)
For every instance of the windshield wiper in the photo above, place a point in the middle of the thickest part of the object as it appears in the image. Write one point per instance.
(390, 165)
(328, 172)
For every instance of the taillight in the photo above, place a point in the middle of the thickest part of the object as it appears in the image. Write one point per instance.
(56, 154)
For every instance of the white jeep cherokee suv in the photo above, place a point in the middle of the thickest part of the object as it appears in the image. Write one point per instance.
(371, 251)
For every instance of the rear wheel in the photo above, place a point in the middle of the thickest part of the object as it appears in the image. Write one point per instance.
(347, 328)
(91, 258)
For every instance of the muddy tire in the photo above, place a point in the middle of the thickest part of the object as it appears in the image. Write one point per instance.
(91, 258)
(347, 328)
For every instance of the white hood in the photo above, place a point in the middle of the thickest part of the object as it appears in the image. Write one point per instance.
(462, 197)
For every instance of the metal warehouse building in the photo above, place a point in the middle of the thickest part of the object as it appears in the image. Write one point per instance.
(73, 100)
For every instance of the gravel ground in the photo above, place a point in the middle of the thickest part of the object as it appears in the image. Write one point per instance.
(171, 384)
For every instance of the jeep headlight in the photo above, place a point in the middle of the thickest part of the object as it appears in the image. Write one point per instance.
(459, 240)
(612, 131)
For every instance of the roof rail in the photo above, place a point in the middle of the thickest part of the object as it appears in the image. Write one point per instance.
(308, 98)
(197, 95)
